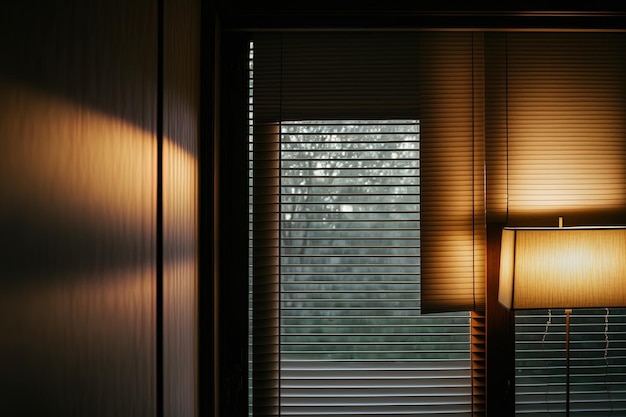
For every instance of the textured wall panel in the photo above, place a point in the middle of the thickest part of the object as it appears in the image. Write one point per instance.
(77, 212)
(180, 201)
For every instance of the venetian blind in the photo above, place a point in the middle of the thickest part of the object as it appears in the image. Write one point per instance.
(453, 208)
(556, 108)
(303, 81)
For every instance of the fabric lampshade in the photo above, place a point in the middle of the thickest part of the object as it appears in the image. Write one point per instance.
(568, 267)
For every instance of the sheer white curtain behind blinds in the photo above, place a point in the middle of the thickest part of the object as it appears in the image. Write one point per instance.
(428, 80)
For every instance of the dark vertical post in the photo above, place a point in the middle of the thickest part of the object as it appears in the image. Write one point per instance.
(231, 205)
(500, 336)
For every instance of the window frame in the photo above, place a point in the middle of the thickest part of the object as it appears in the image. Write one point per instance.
(443, 145)
(223, 306)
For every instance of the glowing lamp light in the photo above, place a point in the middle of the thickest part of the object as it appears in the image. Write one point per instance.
(565, 267)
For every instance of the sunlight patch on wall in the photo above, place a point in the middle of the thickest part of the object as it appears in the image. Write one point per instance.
(73, 161)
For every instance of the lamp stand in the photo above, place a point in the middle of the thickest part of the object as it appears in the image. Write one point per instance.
(568, 311)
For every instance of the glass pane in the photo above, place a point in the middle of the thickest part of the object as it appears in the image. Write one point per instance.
(352, 337)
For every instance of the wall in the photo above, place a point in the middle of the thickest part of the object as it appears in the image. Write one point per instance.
(84, 319)
(181, 90)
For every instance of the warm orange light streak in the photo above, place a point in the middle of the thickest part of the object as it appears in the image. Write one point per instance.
(73, 161)
(180, 189)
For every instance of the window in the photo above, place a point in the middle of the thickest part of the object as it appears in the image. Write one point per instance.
(338, 225)
(352, 340)
(540, 137)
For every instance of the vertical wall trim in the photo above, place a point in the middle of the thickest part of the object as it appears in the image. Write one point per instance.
(159, 214)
